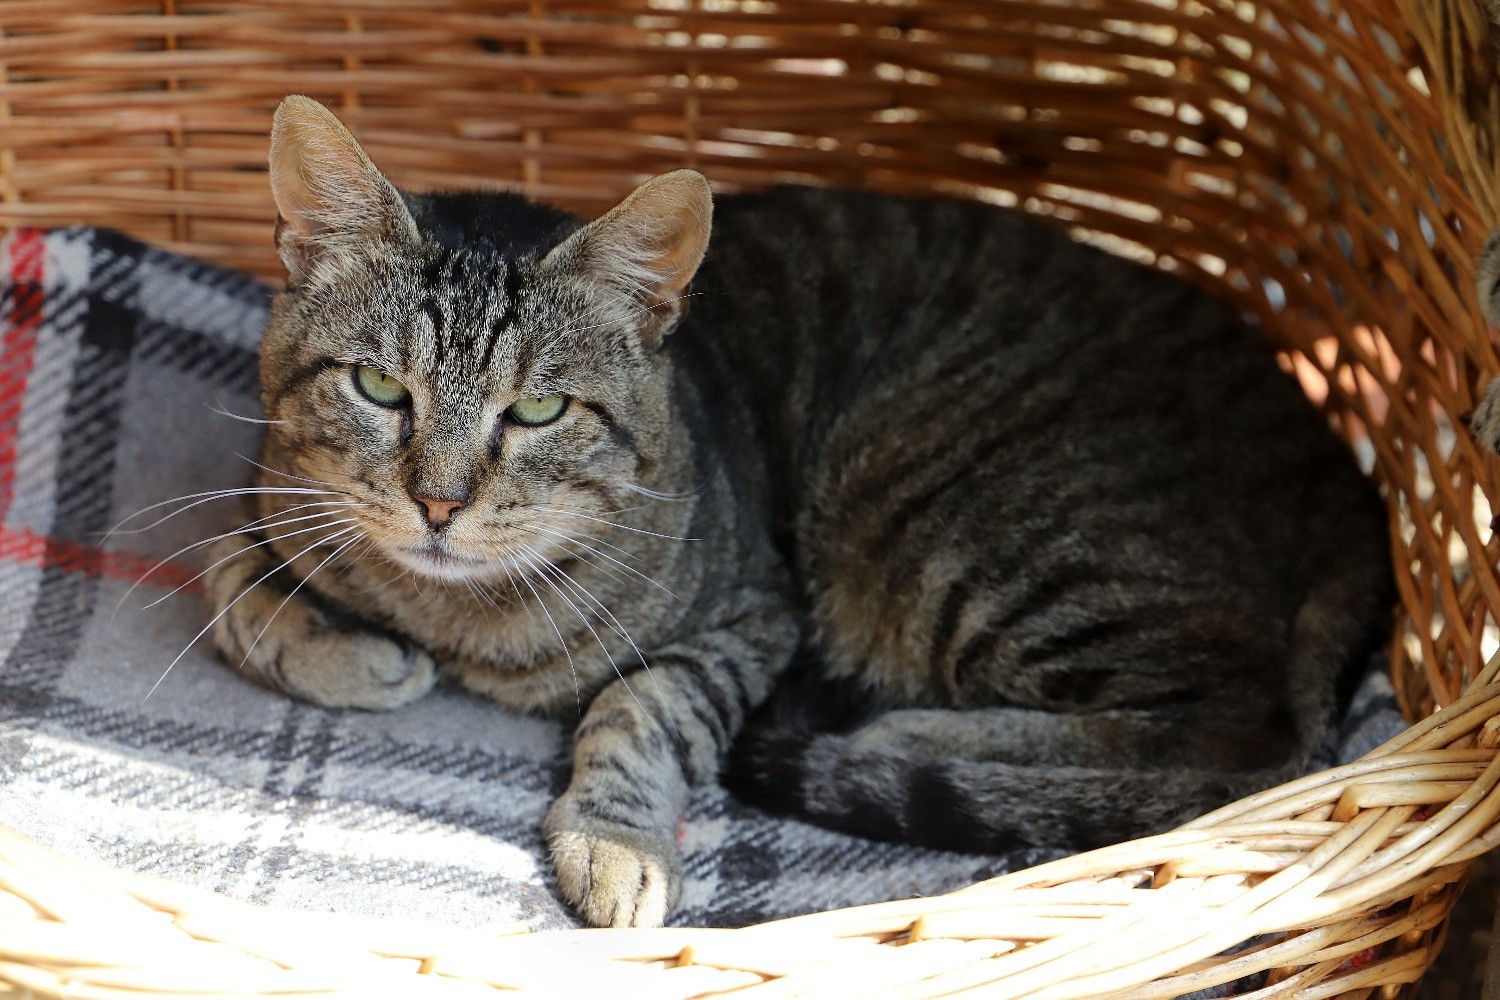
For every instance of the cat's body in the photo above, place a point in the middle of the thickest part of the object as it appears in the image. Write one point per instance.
(1062, 514)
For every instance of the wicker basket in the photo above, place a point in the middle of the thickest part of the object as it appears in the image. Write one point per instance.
(1329, 164)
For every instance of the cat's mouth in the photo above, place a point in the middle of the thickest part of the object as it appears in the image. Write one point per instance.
(436, 559)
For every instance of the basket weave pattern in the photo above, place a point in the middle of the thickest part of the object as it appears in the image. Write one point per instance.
(1328, 165)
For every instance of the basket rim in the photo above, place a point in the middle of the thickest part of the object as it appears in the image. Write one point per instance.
(1344, 843)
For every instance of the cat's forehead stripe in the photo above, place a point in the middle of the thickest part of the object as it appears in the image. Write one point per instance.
(525, 361)
(434, 314)
(472, 299)
(507, 318)
(439, 265)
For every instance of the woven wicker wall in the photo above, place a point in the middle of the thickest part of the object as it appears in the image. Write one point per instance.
(1329, 164)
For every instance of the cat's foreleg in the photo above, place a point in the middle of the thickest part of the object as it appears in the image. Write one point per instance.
(280, 636)
(645, 740)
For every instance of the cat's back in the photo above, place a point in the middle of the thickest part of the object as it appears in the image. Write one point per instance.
(822, 304)
(817, 306)
(845, 325)
(990, 447)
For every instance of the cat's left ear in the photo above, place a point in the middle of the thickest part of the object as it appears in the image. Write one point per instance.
(331, 202)
(647, 248)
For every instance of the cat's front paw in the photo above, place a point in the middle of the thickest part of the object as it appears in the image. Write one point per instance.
(615, 876)
(286, 641)
(356, 670)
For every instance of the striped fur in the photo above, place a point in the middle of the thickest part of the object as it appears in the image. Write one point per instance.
(1054, 551)
(1485, 421)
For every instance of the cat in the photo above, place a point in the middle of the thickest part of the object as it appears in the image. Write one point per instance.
(1033, 545)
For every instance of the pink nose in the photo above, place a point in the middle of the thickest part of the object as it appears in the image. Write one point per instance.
(439, 512)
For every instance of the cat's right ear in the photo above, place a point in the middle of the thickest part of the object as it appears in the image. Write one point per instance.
(647, 248)
(331, 202)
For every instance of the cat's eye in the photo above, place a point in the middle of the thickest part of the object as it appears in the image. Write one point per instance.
(380, 388)
(533, 411)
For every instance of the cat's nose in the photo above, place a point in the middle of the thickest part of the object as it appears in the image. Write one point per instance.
(439, 512)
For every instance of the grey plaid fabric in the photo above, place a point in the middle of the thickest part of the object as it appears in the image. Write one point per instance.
(118, 365)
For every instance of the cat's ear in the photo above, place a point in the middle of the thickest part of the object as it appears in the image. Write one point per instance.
(647, 248)
(330, 200)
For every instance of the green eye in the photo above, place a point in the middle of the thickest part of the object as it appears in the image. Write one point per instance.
(380, 388)
(533, 411)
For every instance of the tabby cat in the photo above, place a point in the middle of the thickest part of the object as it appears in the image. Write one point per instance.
(1047, 547)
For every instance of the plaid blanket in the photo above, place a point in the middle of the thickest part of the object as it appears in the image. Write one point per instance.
(120, 368)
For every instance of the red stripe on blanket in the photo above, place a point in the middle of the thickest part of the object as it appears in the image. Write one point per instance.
(18, 348)
(18, 545)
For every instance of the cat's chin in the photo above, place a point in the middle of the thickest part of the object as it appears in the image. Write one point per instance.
(441, 564)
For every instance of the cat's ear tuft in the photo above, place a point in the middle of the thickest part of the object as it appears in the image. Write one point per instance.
(330, 199)
(648, 247)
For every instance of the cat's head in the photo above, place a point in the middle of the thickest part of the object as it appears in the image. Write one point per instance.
(478, 373)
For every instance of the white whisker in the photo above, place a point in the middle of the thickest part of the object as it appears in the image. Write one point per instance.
(223, 412)
(587, 556)
(575, 533)
(584, 594)
(478, 598)
(668, 497)
(537, 562)
(278, 472)
(225, 610)
(208, 496)
(541, 572)
(204, 572)
(353, 559)
(613, 524)
(613, 622)
(599, 513)
(577, 695)
(261, 634)
(257, 525)
(561, 536)
(482, 595)
(519, 596)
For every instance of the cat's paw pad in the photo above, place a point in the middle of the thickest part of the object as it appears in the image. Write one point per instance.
(616, 876)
